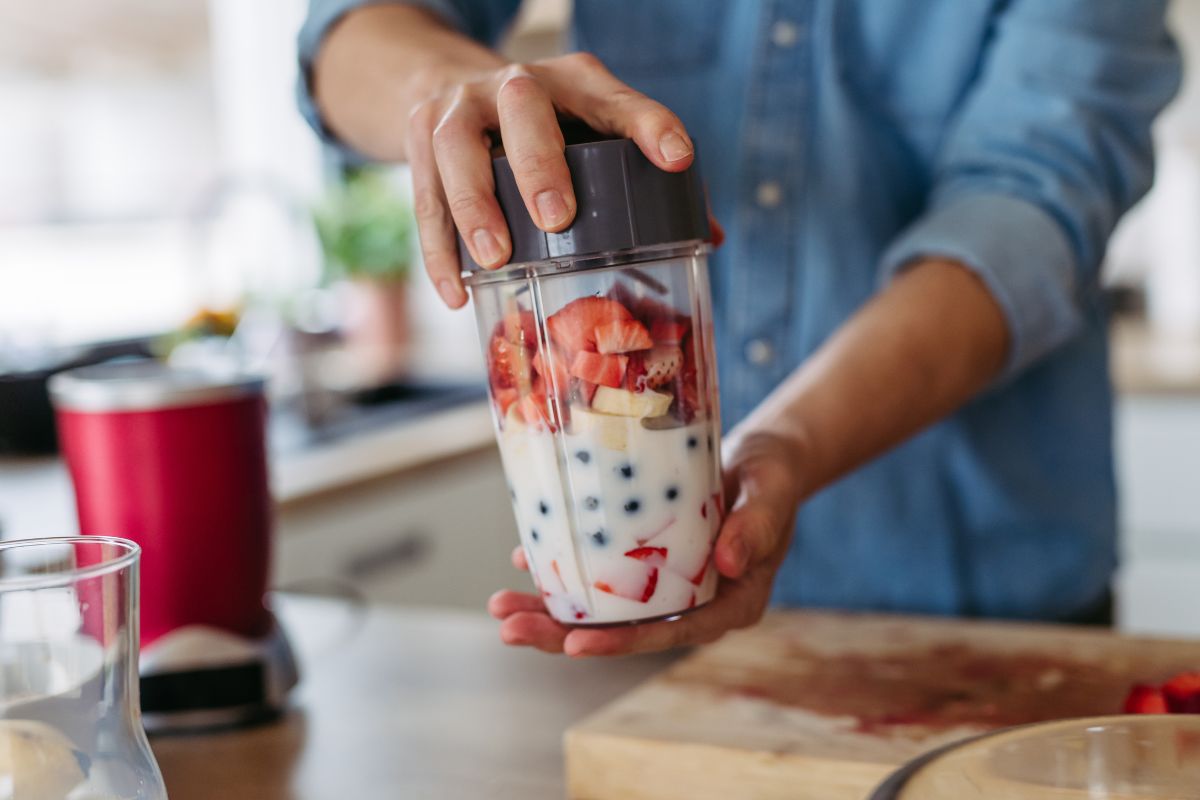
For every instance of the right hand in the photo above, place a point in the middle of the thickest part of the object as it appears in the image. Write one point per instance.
(448, 150)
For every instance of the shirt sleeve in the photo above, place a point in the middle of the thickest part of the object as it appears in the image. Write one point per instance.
(483, 20)
(1050, 146)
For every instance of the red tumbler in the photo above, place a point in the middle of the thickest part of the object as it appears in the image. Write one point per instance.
(176, 461)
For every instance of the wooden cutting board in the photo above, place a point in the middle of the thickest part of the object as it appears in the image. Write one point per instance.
(823, 706)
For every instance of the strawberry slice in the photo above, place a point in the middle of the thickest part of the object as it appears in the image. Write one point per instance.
(1182, 693)
(656, 556)
(599, 369)
(631, 587)
(573, 327)
(622, 336)
(505, 398)
(508, 363)
(666, 331)
(534, 412)
(1145, 699)
(557, 370)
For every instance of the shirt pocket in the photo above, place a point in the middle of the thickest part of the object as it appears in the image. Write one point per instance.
(640, 36)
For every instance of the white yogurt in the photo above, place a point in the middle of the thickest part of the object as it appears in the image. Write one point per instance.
(617, 521)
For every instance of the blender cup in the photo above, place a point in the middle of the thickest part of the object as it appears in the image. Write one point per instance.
(602, 378)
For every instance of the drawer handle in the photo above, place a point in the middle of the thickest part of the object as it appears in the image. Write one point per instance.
(406, 551)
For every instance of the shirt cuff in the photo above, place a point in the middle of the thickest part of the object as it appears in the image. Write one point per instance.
(322, 16)
(1019, 252)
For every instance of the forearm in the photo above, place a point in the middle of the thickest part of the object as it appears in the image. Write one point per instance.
(379, 63)
(915, 353)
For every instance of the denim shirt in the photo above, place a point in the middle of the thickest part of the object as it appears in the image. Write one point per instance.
(842, 139)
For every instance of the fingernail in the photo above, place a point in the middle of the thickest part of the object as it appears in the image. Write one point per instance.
(448, 292)
(487, 247)
(674, 147)
(551, 208)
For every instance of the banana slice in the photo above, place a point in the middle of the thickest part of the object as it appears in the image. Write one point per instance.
(623, 403)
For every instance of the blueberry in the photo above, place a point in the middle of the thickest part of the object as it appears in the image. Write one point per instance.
(672, 492)
(542, 507)
(632, 506)
(599, 537)
(626, 470)
(710, 443)
(692, 442)
(584, 456)
(533, 535)
(591, 503)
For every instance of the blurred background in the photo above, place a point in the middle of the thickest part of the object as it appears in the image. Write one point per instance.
(160, 193)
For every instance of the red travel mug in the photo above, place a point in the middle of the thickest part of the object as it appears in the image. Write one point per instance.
(176, 461)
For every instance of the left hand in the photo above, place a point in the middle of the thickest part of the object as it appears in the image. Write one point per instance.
(763, 478)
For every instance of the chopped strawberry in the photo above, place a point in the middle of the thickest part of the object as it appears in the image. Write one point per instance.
(704, 509)
(573, 327)
(631, 587)
(699, 576)
(557, 370)
(692, 602)
(1145, 699)
(505, 398)
(534, 412)
(1182, 693)
(622, 336)
(508, 363)
(599, 369)
(662, 364)
(651, 555)
(520, 326)
(666, 331)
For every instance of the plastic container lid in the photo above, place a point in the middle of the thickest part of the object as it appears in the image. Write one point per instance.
(624, 202)
(147, 385)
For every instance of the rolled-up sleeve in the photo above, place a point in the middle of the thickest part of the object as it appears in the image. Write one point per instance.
(1051, 145)
(484, 20)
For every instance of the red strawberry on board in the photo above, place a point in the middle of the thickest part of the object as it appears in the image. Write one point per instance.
(573, 327)
(599, 369)
(1182, 693)
(1145, 699)
(622, 336)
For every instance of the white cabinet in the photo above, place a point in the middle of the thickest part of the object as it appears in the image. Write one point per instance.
(1158, 469)
(436, 535)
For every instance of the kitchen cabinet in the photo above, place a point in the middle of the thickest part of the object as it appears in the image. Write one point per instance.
(1158, 458)
(436, 535)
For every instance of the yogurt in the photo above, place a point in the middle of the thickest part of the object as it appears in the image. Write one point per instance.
(617, 519)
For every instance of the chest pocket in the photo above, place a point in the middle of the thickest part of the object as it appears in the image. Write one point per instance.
(643, 36)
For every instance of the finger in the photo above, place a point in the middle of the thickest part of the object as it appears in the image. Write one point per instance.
(534, 144)
(434, 227)
(465, 163)
(505, 603)
(533, 629)
(583, 86)
(518, 559)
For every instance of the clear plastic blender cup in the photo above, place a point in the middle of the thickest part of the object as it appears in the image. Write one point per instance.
(602, 377)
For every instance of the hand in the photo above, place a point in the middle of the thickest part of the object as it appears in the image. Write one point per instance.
(763, 476)
(449, 152)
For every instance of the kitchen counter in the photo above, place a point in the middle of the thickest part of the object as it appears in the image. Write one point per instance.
(397, 703)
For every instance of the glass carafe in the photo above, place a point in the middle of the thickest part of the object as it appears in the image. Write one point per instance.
(70, 723)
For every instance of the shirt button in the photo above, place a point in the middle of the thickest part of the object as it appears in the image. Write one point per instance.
(769, 194)
(759, 352)
(784, 33)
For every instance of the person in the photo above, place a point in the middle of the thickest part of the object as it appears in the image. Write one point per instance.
(910, 330)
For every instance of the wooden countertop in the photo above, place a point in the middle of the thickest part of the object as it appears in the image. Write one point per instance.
(403, 703)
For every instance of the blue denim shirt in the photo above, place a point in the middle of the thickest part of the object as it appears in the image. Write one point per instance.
(841, 139)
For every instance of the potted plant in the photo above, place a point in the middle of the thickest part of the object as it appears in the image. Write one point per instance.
(366, 231)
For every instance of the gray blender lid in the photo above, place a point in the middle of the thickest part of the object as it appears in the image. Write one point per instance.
(623, 202)
(146, 385)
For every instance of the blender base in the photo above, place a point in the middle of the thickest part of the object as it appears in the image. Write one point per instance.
(200, 678)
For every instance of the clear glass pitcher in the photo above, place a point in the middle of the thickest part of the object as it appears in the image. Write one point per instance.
(70, 723)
